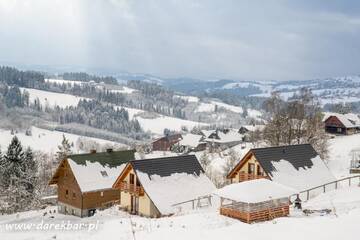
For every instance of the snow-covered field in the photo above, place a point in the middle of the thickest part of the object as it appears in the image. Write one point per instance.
(44, 140)
(340, 154)
(52, 99)
(341, 223)
(157, 125)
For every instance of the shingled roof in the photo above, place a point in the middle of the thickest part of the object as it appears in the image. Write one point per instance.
(296, 166)
(299, 156)
(168, 165)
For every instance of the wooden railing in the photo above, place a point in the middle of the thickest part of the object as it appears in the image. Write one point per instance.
(132, 188)
(326, 187)
(247, 176)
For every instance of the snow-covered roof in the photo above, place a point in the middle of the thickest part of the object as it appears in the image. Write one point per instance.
(176, 188)
(96, 171)
(303, 178)
(254, 191)
(349, 120)
(225, 137)
(93, 176)
(191, 140)
(171, 180)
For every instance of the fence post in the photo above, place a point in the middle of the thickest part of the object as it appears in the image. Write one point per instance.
(336, 183)
(307, 195)
(193, 204)
(349, 181)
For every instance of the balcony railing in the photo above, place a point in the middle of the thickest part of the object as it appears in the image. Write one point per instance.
(132, 188)
(247, 176)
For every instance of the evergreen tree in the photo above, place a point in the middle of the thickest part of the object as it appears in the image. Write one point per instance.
(12, 163)
(64, 149)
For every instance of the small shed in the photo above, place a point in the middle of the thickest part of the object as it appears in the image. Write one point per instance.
(255, 201)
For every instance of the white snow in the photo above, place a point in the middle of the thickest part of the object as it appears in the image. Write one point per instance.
(173, 189)
(157, 125)
(125, 90)
(303, 178)
(210, 107)
(191, 140)
(255, 191)
(44, 140)
(89, 176)
(340, 148)
(205, 224)
(52, 99)
(190, 99)
(344, 200)
(61, 81)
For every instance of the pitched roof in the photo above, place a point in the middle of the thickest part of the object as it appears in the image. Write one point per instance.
(298, 155)
(171, 180)
(255, 191)
(349, 120)
(297, 166)
(168, 165)
(97, 171)
(191, 140)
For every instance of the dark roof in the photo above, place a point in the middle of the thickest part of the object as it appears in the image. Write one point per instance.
(297, 155)
(168, 165)
(111, 159)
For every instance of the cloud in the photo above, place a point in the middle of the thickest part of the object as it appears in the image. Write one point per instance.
(205, 39)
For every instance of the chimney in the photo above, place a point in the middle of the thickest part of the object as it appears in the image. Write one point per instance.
(92, 151)
(109, 150)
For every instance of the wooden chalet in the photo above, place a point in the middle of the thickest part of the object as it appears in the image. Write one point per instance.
(296, 166)
(165, 143)
(255, 201)
(152, 187)
(345, 124)
(84, 181)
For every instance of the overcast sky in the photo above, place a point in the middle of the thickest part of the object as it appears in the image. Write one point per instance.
(236, 39)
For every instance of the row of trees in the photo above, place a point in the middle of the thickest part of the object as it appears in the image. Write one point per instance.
(85, 77)
(12, 76)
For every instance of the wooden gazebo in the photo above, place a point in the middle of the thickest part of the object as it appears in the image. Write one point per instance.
(255, 200)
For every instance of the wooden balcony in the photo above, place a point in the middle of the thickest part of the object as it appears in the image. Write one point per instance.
(132, 189)
(247, 177)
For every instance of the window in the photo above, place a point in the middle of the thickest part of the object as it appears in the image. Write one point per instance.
(74, 195)
(104, 173)
(66, 193)
(132, 178)
(251, 168)
(101, 194)
(259, 170)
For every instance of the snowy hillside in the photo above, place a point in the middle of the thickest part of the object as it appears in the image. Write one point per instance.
(45, 140)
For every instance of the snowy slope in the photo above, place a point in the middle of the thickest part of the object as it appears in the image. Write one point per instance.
(204, 224)
(157, 125)
(44, 140)
(52, 99)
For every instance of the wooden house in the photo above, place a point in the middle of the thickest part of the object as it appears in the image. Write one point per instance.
(152, 187)
(345, 124)
(255, 201)
(84, 181)
(165, 143)
(296, 166)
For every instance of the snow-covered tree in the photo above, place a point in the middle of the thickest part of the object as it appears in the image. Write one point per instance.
(18, 178)
(64, 149)
(230, 161)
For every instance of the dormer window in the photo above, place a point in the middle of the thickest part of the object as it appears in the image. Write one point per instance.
(104, 173)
